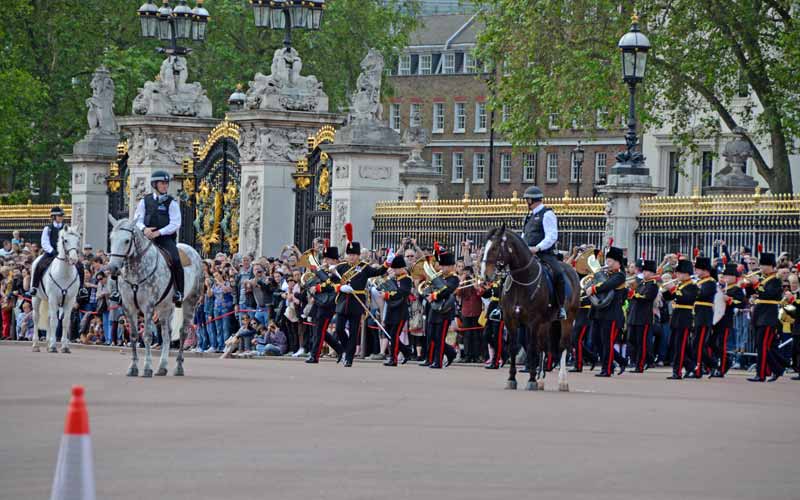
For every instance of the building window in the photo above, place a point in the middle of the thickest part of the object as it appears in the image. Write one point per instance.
(552, 121)
(504, 113)
(552, 167)
(415, 119)
(437, 161)
(394, 117)
(575, 173)
(478, 168)
(469, 63)
(458, 167)
(674, 159)
(600, 160)
(706, 170)
(480, 117)
(425, 61)
(438, 118)
(460, 117)
(449, 64)
(404, 65)
(505, 167)
(601, 119)
(529, 167)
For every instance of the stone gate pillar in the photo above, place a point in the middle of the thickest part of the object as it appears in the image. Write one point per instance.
(624, 191)
(90, 160)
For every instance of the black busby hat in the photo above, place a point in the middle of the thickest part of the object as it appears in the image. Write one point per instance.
(615, 253)
(444, 257)
(399, 262)
(649, 265)
(731, 270)
(703, 263)
(331, 253)
(56, 211)
(767, 259)
(684, 266)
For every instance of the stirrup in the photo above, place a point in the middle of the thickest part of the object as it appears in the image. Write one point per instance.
(562, 313)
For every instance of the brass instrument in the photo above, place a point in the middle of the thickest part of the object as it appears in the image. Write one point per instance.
(582, 261)
(597, 277)
(432, 279)
(308, 260)
(632, 282)
(755, 274)
(593, 267)
(470, 282)
(787, 314)
(418, 271)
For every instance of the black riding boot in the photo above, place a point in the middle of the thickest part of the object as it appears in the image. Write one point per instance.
(177, 271)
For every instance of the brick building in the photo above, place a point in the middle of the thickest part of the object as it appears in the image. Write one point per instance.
(438, 85)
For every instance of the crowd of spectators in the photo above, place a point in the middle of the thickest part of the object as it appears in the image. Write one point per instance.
(257, 307)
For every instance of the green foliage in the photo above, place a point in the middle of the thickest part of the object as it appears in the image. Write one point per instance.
(46, 44)
(563, 56)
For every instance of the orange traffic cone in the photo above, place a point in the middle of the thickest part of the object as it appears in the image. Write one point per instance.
(74, 479)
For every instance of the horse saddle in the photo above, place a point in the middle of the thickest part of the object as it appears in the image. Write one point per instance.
(550, 278)
(185, 262)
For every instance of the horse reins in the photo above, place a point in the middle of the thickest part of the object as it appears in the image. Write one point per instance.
(126, 256)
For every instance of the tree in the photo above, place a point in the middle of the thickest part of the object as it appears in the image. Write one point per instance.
(50, 48)
(707, 58)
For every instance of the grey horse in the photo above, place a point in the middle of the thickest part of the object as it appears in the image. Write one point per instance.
(58, 290)
(145, 287)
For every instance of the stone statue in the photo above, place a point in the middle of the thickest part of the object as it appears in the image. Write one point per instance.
(285, 88)
(101, 105)
(416, 138)
(365, 103)
(733, 178)
(169, 94)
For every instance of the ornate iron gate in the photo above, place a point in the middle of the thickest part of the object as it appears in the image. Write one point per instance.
(210, 192)
(313, 191)
(118, 182)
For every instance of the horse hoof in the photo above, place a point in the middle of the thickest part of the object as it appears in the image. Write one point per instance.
(532, 386)
(563, 387)
(36, 349)
(65, 350)
(133, 371)
(540, 383)
(52, 349)
(147, 373)
(178, 371)
(511, 385)
(161, 372)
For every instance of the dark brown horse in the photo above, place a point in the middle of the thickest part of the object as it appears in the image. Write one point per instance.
(526, 302)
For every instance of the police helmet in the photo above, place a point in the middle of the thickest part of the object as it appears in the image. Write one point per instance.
(159, 175)
(56, 211)
(533, 193)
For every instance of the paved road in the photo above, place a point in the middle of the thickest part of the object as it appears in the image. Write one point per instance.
(244, 429)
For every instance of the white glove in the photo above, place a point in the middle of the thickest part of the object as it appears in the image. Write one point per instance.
(332, 268)
(346, 289)
(390, 257)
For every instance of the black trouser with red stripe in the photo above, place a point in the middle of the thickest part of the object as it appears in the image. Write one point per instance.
(439, 344)
(349, 326)
(719, 346)
(639, 347)
(701, 354)
(395, 344)
(681, 353)
(580, 339)
(321, 334)
(493, 336)
(769, 361)
(609, 332)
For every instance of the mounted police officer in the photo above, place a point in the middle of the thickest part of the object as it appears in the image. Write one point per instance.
(158, 215)
(540, 233)
(49, 244)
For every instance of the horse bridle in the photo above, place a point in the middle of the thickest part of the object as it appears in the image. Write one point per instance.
(131, 244)
(67, 251)
(501, 262)
(126, 257)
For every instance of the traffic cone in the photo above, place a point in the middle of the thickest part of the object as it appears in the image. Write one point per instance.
(74, 479)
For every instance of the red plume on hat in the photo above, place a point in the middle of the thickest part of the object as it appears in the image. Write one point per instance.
(436, 248)
(348, 230)
(679, 255)
(759, 249)
(696, 252)
(644, 254)
(724, 260)
(797, 266)
(327, 243)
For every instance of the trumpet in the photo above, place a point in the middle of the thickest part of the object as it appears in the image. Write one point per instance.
(665, 286)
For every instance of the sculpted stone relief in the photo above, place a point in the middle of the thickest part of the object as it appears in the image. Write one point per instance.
(374, 173)
(252, 223)
(285, 88)
(275, 144)
(169, 94)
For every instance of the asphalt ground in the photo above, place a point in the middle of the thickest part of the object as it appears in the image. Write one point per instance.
(246, 429)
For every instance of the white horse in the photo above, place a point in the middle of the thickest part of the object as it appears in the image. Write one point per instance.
(145, 287)
(58, 290)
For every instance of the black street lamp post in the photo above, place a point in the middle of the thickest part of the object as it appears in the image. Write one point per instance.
(633, 46)
(173, 25)
(578, 158)
(287, 15)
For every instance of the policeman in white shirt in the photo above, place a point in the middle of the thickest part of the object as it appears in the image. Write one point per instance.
(158, 215)
(49, 244)
(540, 233)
